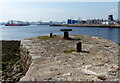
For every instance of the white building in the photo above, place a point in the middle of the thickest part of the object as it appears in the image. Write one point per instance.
(105, 23)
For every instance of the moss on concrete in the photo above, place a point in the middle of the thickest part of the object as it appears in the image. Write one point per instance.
(46, 37)
(68, 51)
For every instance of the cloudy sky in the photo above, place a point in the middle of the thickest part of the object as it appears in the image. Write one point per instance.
(56, 11)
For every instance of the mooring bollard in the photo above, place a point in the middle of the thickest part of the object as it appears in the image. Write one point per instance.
(66, 35)
(50, 34)
(79, 46)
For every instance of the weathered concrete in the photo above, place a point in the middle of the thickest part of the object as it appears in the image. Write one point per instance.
(47, 61)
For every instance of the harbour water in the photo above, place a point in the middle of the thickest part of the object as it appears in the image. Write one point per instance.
(22, 32)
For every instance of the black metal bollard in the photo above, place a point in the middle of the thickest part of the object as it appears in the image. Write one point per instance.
(66, 35)
(79, 47)
(51, 35)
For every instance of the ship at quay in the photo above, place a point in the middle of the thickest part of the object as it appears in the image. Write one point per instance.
(16, 23)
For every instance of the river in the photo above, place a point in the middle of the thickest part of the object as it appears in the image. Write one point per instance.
(22, 32)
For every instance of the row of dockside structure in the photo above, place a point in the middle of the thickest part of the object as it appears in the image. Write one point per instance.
(110, 20)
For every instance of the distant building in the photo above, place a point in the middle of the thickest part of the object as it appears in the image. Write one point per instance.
(119, 10)
(105, 23)
(109, 21)
(56, 22)
(70, 21)
(91, 21)
(74, 21)
(110, 17)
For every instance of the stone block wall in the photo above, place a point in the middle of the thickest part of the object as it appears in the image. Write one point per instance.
(25, 57)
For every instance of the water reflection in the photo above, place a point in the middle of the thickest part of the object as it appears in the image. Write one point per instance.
(110, 33)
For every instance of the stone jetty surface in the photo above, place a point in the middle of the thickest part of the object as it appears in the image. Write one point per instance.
(56, 59)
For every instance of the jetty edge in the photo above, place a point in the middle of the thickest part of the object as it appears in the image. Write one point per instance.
(48, 59)
(79, 25)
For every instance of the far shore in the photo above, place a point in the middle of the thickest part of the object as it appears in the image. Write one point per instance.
(79, 25)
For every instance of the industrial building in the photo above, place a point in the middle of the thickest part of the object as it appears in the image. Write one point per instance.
(110, 17)
(71, 21)
(110, 21)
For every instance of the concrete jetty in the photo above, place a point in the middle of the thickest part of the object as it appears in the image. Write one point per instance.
(55, 59)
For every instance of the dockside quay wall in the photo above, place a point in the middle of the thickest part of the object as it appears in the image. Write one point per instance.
(10, 61)
(84, 25)
(9, 49)
(25, 55)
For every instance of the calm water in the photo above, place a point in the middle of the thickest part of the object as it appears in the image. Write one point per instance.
(22, 32)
